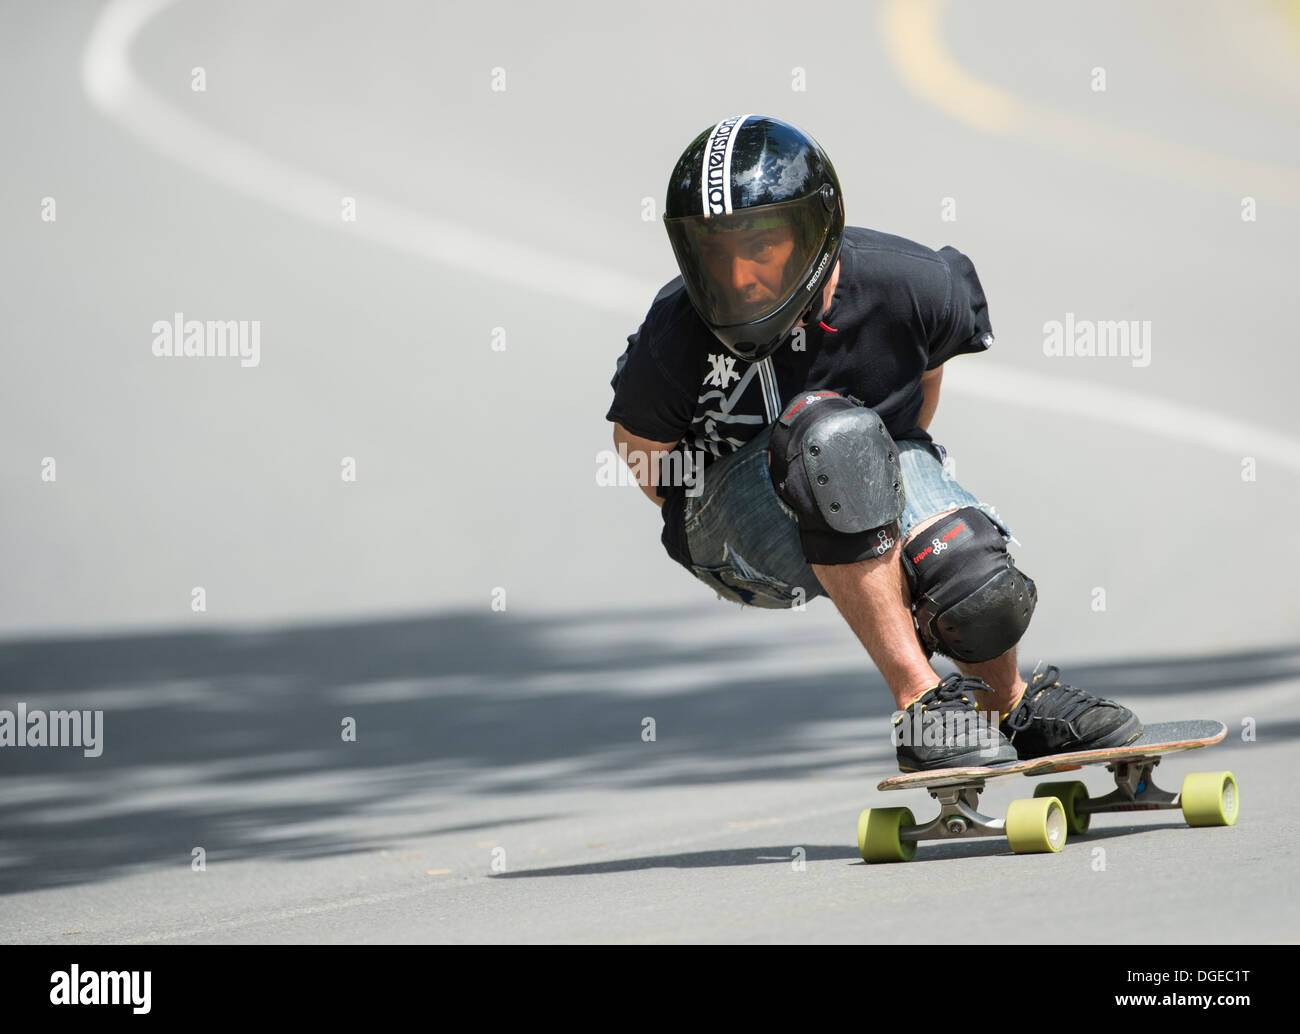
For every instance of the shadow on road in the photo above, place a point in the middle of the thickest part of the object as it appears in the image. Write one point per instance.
(232, 740)
(782, 854)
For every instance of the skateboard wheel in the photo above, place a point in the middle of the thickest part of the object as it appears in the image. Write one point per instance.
(1036, 826)
(1068, 794)
(878, 839)
(1209, 799)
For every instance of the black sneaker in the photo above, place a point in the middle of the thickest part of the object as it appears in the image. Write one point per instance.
(944, 728)
(1052, 718)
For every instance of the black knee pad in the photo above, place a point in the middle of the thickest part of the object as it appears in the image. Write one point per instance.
(836, 467)
(970, 601)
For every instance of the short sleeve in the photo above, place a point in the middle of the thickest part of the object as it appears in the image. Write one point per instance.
(963, 326)
(648, 401)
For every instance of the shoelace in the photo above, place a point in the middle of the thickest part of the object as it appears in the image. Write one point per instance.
(1063, 706)
(950, 694)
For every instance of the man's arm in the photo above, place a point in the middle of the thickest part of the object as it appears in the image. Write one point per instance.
(930, 386)
(642, 457)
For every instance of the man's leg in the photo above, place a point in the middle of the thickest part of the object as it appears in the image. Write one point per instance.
(837, 468)
(1040, 717)
(1003, 674)
(870, 597)
(873, 597)
(972, 601)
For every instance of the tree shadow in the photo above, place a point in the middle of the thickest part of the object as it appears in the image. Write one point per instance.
(233, 740)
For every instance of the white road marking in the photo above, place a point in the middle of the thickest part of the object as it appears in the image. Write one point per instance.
(1133, 410)
(113, 87)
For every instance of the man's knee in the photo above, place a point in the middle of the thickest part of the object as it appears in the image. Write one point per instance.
(971, 602)
(835, 465)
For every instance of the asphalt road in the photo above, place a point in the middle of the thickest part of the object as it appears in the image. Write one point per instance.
(498, 787)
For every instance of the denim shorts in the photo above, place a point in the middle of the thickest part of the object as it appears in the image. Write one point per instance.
(744, 540)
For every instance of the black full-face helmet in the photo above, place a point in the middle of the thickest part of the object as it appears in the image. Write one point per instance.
(755, 217)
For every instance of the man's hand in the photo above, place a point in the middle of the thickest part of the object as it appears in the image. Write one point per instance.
(642, 457)
(930, 386)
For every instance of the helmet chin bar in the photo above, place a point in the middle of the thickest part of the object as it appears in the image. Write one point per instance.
(809, 315)
(759, 352)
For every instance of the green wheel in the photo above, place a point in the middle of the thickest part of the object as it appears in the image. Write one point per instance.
(878, 839)
(1069, 794)
(1209, 799)
(1036, 826)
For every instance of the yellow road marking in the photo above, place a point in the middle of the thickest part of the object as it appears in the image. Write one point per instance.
(914, 36)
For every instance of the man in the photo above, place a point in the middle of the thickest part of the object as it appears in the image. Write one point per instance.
(803, 359)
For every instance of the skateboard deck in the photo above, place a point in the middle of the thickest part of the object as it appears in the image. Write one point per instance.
(1159, 738)
(1042, 823)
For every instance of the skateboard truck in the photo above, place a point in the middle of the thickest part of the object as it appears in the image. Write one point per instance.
(1135, 790)
(959, 816)
(1030, 826)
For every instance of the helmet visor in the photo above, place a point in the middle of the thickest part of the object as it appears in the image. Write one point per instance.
(741, 267)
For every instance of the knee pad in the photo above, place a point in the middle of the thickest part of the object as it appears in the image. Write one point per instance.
(836, 466)
(970, 601)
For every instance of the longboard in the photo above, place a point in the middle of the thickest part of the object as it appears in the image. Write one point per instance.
(1042, 823)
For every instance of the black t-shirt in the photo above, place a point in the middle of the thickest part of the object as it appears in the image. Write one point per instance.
(899, 309)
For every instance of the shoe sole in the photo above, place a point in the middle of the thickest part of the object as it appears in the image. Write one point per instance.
(971, 760)
(1119, 738)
